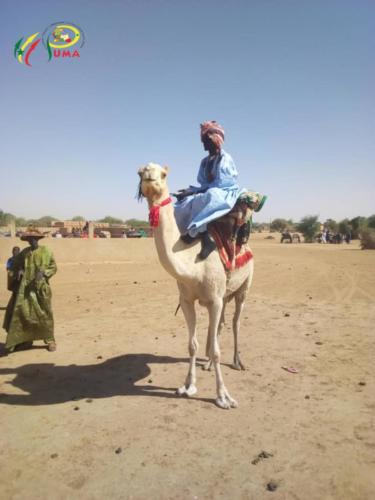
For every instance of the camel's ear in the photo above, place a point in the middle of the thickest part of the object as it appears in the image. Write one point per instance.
(140, 171)
(165, 171)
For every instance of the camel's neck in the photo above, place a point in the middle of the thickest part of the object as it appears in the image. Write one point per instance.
(167, 237)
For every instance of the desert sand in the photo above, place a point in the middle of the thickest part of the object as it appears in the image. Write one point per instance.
(99, 418)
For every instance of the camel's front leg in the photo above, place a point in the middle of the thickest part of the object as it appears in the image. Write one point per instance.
(188, 308)
(237, 363)
(223, 400)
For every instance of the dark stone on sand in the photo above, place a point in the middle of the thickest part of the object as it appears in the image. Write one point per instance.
(150, 381)
(118, 450)
(362, 383)
(272, 486)
(319, 343)
(286, 315)
(261, 456)
(54, 455)
(76, 408)
(135, 282)
(99, 357)
(307, 396)
(88, 400)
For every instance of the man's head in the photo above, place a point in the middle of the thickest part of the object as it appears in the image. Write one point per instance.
(212, 136)
(33, 241)
(32, 236)
(15, 251)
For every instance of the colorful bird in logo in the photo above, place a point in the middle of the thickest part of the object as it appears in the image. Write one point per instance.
(19, 48)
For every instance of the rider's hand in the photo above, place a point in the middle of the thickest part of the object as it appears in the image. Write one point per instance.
(182, 193)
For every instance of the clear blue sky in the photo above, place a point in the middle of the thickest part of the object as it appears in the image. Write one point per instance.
(291, 81)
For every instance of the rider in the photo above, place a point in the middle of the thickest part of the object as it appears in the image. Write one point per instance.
(217, 194)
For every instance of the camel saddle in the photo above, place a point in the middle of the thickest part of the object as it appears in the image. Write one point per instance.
(231, 232)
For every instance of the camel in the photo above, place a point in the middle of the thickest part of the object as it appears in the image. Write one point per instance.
(204, 281)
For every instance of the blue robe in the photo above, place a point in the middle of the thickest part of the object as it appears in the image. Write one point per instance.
(214, 198)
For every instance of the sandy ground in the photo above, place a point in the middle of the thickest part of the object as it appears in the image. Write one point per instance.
(99, 418)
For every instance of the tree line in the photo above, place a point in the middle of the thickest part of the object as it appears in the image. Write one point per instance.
(47, 220)
(310, 226)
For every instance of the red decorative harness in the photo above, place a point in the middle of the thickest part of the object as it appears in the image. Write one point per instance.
(154, 213)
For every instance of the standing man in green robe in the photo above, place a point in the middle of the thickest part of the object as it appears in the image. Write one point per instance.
(29, 313)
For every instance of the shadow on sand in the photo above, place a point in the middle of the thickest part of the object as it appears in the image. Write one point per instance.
(47, 383)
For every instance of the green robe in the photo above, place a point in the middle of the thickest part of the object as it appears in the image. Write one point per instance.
(29, 313)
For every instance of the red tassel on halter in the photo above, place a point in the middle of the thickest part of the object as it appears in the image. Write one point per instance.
(154, 213)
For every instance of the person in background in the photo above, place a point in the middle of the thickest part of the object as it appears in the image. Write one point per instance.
(15, 252)
(29, 315)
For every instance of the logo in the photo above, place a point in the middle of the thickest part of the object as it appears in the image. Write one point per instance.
(59, 40)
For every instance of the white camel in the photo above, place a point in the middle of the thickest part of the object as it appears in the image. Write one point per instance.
(205, 281)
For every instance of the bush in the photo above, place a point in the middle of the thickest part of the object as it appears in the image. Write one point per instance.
(279, 225)
(358, 224)
(309, 226)
(368, 239)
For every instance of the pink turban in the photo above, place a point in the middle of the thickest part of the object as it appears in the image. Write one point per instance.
(214, 131)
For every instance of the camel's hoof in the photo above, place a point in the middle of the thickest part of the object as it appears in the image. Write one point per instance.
(207, 366)
(226, 403)
(238, 366)
(187, 391)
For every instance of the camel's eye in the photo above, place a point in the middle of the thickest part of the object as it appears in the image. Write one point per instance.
(163, 175)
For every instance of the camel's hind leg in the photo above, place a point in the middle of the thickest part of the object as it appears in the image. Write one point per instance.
(223, 399)
(208, 364)
(188, 308)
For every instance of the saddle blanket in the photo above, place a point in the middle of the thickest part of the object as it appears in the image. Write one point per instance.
(231, 232)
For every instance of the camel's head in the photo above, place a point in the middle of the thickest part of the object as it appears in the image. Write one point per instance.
(153, 183)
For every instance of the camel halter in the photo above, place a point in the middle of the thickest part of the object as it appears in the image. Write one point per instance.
(154, 213)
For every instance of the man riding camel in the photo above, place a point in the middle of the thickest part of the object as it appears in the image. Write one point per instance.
(217, 194)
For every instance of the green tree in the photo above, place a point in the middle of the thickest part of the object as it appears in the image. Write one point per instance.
(371, 221)
(309, 226)
(358, 224)
(21, 222)
(5, 218)
(111, 220)
(344, 226)
(78, 218)
(45, 221)
(279, 225)
(332, 225)
(137, 223)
